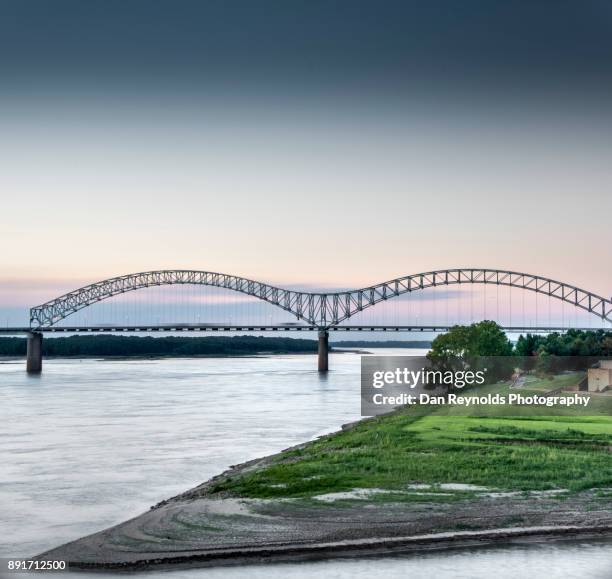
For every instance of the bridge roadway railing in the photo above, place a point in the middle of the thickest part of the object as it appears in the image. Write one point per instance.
(204, 328)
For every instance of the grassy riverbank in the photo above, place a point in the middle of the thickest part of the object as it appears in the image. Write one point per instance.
(505, 448)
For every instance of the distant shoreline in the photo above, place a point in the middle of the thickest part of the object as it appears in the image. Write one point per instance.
(108, 346)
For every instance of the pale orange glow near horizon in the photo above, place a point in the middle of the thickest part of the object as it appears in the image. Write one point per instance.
(309, 200)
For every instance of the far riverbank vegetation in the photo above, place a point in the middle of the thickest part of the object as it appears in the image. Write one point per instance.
(480, 339)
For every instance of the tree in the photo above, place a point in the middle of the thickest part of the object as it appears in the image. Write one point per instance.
(481, 339)
(479, 346)
(528, 345)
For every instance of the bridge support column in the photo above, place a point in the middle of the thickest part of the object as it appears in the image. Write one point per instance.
(323, 350)
(34, 353)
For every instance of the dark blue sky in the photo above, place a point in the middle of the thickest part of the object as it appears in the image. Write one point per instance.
(285, 46)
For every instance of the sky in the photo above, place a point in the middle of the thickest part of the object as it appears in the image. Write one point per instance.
(328, 144)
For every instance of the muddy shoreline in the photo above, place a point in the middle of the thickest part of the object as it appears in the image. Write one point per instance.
(346, 549)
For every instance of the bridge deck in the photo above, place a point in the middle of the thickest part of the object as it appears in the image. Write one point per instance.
(259, 328)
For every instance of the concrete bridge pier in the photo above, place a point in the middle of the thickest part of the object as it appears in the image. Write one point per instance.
(323, 350)
(34, 353)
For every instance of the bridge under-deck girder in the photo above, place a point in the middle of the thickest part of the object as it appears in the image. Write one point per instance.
(96, 329)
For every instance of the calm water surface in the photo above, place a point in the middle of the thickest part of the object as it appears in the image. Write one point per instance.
(90, 443)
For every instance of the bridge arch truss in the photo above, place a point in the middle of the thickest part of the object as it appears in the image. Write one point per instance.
(322, 310)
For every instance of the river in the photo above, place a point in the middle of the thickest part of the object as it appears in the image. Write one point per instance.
(90, 443)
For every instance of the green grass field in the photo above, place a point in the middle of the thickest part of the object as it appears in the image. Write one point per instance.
(514, 450)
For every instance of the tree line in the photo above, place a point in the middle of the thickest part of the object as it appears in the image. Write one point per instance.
(176, 346)
(485, 344)
(488, 339)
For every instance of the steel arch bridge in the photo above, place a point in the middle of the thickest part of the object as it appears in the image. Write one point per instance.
(321, 310)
